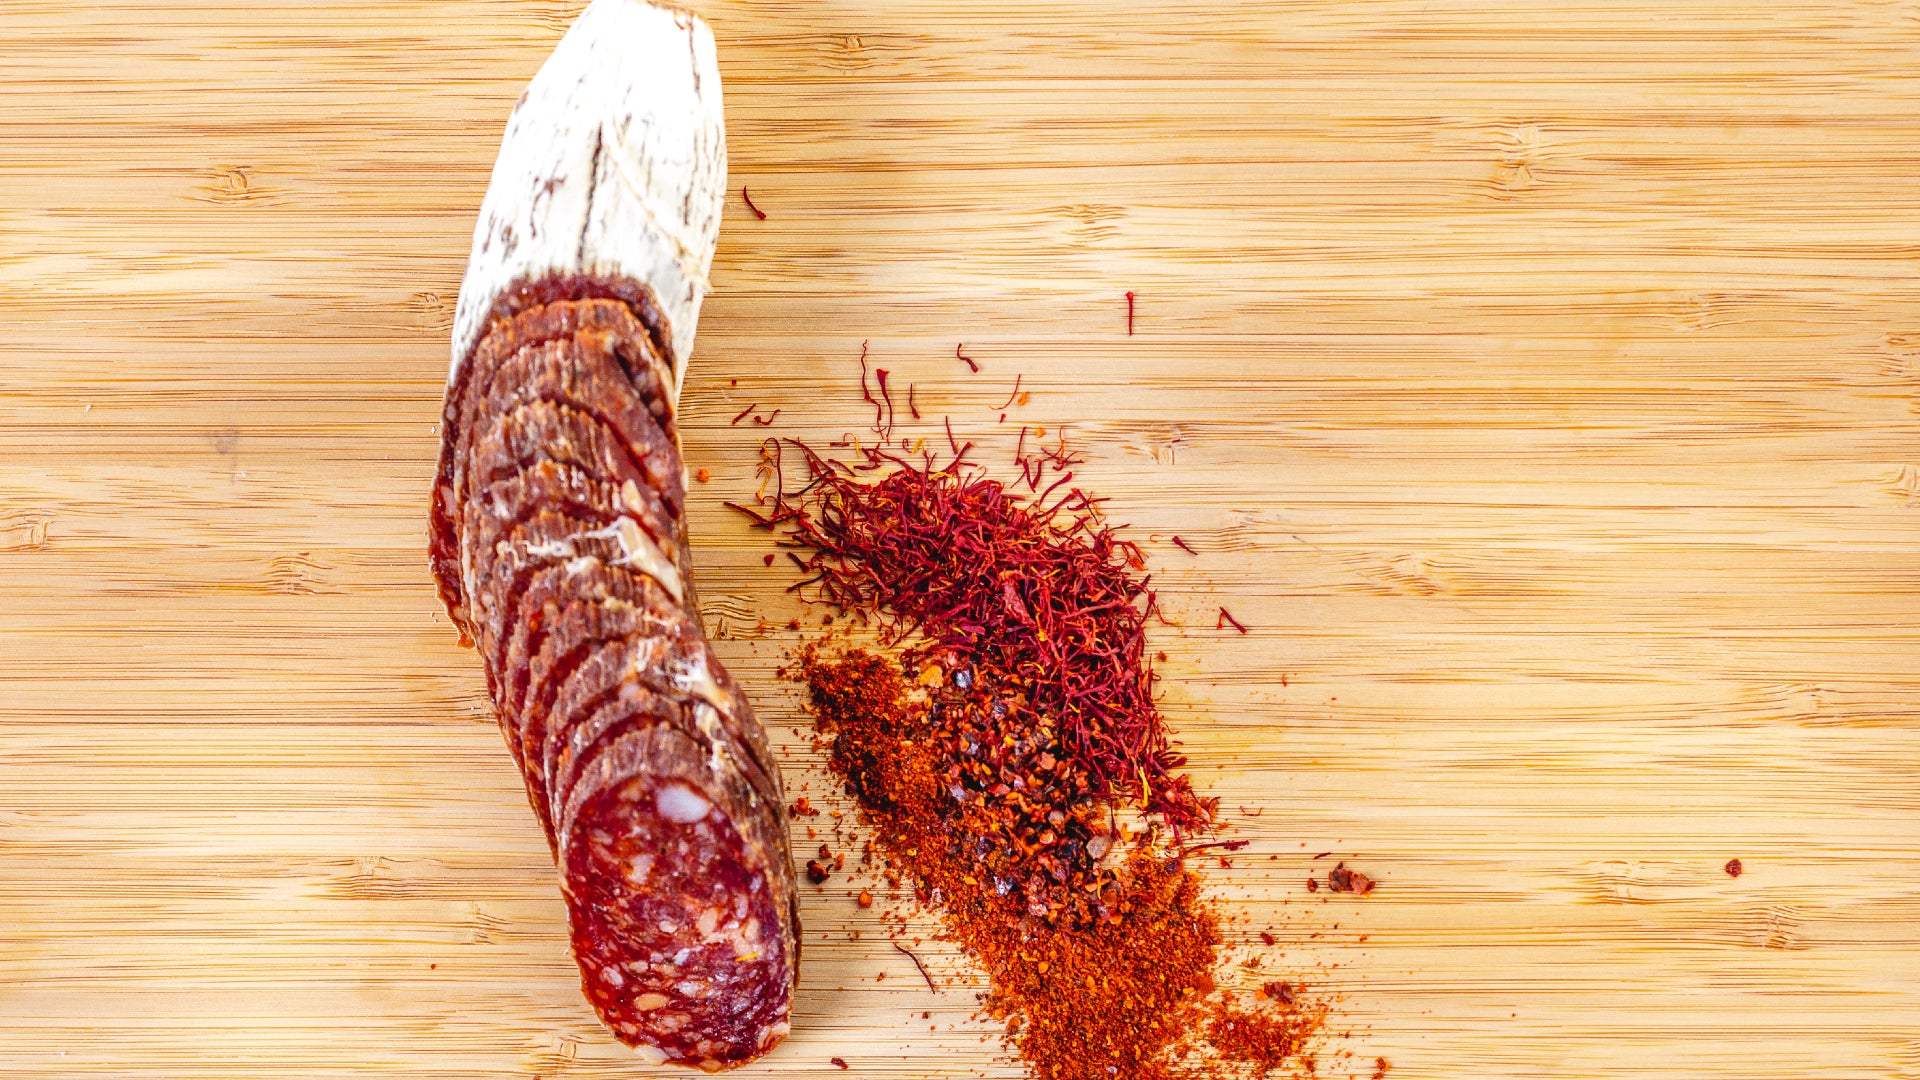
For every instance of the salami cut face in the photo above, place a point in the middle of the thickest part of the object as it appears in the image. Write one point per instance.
(559, 549)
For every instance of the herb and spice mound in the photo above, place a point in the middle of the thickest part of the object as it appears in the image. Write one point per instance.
(1008, 755)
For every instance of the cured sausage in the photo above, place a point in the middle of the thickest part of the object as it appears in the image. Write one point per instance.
(559, 548)
(642, 760)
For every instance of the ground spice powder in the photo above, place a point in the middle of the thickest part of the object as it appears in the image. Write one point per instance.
(1128, 993)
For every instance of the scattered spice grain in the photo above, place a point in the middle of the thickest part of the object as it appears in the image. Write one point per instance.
(1341, 879)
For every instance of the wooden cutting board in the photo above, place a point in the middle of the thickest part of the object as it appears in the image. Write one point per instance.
(1537, 383)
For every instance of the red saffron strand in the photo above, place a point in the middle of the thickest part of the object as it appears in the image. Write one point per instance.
(1010, 397)
(916, 963)
(971, 366)
(1225, 618)
(761, 214)
(742, 414)
(1129, 313)
(768, 422)
(911, 407)
(1182, 545)
(880, 375)
(948, 420)
(866, 393)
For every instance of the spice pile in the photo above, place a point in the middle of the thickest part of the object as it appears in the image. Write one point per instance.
(996, 748)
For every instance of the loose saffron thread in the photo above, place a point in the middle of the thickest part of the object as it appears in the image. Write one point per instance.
(911, 407)
(1129, 313)
(866, 393)
(768, 422)
(1225, 618)
(761, 214)
(1182, 545)
(948, 420)
(881, 375)
(904, 951)
(1010, 397)
(971, 366)
(742, 414)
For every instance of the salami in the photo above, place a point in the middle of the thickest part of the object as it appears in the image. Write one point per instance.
(559, 548)
(642, 760)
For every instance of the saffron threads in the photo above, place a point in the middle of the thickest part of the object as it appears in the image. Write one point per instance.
(880, 375)
(911, 407)
(1044, 591)
(742, 414)
(1182, 545)
(878, 411)
(968, 360)
(748, 199)
(1129, 313)
(768, 422)
(918, 966)
(1010, 397)
(1226, 617)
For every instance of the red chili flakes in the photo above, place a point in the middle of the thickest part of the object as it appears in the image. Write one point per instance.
(803, 807)
(838, 1063)
(1313, 885)
(816, 873)
(1341, 879)
(865, 899)
(1733, 868)
(767, 558)
(703, 476)
(1266, 938)
(1279, 990)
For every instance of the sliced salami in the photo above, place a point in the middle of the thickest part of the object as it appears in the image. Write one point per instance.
(559, 548)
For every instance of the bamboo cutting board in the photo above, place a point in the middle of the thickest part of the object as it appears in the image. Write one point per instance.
(1536, 381)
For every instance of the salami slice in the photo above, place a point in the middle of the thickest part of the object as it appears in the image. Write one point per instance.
(559, 546)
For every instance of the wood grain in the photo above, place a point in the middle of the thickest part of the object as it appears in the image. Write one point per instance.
(1536, 380)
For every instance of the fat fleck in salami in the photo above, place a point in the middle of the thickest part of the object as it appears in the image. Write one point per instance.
(559, 548)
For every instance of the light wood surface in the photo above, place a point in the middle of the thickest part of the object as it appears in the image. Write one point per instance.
(1536, 380)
